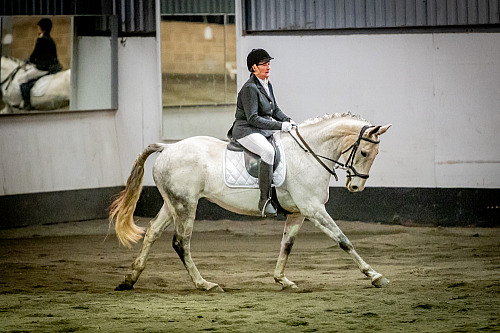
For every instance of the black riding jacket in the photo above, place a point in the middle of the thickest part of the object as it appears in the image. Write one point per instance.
(256, 111)
(44, 56)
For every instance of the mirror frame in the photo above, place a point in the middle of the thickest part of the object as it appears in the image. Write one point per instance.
(113, 26)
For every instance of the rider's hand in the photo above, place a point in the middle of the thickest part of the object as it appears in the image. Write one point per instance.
(286, 126)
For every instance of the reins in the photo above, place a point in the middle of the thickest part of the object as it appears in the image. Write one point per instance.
(349, 165)
(318, 158)
(10, 77)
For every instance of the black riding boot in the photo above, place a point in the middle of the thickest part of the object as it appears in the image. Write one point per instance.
(265, 179)
(26, 94)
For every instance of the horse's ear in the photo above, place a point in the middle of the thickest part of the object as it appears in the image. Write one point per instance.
(373, 130)
(383, 129)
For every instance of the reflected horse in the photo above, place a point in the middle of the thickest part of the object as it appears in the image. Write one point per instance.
(191, 169)
(50, 92)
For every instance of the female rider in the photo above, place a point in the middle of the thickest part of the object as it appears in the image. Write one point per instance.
(258, 117)
(43, 60)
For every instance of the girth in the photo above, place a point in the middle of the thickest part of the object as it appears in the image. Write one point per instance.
(252, 160)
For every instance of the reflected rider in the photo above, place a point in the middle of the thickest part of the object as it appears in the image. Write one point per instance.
(42, 61)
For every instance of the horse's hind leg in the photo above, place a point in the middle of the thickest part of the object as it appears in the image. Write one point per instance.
(182, 245)
(162, 220)
(292, 227)
(323, 221)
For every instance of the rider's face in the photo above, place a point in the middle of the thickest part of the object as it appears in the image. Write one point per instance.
(39, 30)
(263, 71)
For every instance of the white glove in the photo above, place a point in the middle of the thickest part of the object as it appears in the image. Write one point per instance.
(286, 126)
(293, 122)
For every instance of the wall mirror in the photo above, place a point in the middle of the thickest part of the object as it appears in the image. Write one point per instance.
(87, 52)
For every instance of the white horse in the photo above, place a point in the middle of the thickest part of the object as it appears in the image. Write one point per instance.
(50, 92)
(192, 168)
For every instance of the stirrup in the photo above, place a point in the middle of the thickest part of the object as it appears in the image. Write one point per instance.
(268, 209)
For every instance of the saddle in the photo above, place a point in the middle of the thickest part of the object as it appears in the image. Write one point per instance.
(241, 167)
(252, 160)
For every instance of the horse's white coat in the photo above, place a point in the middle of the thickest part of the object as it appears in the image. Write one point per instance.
(55, 87)
(192, 168)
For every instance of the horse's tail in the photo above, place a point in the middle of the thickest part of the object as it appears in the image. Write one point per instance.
(123, 207)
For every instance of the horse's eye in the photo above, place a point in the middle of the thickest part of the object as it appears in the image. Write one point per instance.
(364, 154)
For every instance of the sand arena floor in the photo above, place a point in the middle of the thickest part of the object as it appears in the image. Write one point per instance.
(61, 278)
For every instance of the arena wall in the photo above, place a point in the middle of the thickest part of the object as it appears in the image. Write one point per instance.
(67, 166)
(438, 164)
(440, 91)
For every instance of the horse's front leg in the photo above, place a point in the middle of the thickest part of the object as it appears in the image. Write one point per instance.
(292, 227)
(323, 221)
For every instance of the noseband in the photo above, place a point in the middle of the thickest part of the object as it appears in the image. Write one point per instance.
(349, 165)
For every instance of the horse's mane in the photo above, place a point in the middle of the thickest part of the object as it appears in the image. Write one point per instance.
(316, 120)
(16, 60)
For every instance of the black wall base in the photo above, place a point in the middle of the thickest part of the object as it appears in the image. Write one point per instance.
(432, 206)
(390, 205)
(424, 206)
(55, 207)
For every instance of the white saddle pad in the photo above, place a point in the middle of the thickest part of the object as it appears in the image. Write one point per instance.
(41, 85)
(236, 174)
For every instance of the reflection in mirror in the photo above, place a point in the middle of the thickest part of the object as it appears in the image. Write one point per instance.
(32, 51)
(92, 63)
(198, 75)
(50, 64)
(198, 60)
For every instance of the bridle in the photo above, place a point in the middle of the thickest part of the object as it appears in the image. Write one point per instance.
(350, 160)
(349, 164)
(10, 77)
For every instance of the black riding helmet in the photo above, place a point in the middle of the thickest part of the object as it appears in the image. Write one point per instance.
(256, 56)
(45, 24)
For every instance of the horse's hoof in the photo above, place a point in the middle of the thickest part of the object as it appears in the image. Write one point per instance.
(125, 285)
(380, 281)
(215, 289)
(291, 286)
(285, 283)
(209, 286)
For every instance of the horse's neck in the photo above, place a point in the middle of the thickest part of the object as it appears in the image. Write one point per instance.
(330, 137)
(8, 65)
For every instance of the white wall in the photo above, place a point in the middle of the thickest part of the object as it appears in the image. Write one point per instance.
(91, 73)
(79, 150)
(42, 153)
(441, 92)
(138, 120)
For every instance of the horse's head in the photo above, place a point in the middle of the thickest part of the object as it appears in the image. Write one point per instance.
(359, 156)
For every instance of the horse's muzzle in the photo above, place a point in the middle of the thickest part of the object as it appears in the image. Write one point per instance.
(354, 186)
